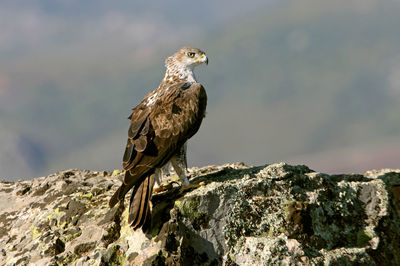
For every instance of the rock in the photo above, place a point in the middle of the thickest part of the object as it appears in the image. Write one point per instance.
(239, 215)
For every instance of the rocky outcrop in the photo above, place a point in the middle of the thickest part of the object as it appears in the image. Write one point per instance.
(237, 215)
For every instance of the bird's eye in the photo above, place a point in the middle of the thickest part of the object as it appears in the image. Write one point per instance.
(190, 54)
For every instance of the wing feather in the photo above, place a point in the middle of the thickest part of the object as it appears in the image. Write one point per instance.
(141, 143)
(129, 153)
(138, 120)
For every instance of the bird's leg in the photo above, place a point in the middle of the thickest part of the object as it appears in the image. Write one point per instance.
(180, 169)
(165, 172)
(179, 163)
(158, 176)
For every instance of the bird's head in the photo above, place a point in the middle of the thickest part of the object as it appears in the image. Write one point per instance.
(186, 58)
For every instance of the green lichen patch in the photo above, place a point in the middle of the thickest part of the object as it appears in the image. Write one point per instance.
(189, 208)
(363, 238)
(114, 256)
(53, 215)
(68, 258)
(113, 231)
(87, 195)
(84, 247)
(35, 232)
(71, 234)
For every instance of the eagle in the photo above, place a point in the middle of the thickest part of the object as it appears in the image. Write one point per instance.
(160, 126)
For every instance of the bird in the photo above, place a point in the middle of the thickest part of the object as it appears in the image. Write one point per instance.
(160, 126)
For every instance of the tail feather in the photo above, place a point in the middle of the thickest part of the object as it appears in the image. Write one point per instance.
(136, 203)
(147, 217)
(116, 197)
(139, 209)
(119, 195)
(140, 206)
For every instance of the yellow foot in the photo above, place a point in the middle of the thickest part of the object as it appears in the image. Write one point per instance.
(191, 186)
(162, 188)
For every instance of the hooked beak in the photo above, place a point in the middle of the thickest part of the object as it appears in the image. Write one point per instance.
(203, 59)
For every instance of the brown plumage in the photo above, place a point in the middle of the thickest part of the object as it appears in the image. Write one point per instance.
(160, 126)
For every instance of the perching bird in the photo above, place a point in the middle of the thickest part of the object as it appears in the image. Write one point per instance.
(160, 126)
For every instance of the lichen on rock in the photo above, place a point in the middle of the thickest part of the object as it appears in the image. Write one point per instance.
(238, 215)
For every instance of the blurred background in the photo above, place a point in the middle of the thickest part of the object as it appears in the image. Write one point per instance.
(307, 82)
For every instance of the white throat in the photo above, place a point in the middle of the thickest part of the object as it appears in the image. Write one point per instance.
(190, 76)
(185, 74)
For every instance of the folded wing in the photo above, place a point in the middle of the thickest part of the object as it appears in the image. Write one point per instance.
(156, 133)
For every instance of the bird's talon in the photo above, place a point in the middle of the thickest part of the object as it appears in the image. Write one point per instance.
(189, 187)
(163, 188)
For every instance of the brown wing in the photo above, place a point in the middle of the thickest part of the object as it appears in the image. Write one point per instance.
(156, 133)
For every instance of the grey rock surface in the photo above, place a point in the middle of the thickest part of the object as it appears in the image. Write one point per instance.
(236, 215)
